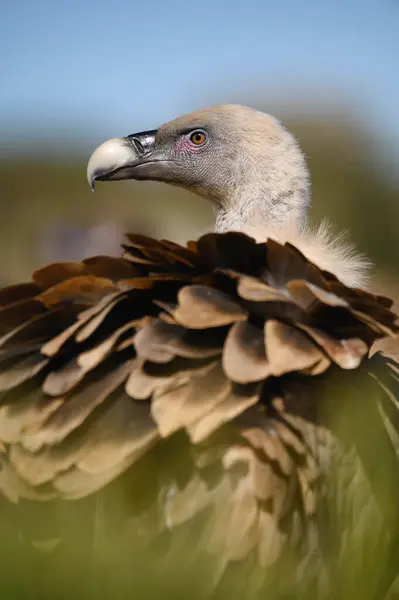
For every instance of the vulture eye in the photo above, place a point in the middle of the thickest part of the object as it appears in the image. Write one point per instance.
(198, 137)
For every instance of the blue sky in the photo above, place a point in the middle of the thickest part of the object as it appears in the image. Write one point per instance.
(97, 68)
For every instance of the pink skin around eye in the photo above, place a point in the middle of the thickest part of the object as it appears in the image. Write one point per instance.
(184, 146)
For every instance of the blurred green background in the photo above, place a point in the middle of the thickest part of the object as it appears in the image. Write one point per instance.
(48, 214)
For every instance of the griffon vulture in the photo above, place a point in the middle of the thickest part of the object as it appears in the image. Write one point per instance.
(212, 367)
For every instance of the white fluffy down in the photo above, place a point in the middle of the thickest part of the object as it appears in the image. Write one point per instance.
(320, 245)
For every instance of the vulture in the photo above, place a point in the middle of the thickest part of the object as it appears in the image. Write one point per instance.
(227, 383)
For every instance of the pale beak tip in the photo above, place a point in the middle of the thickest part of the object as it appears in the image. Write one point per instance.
(112, 154)
(92, 182)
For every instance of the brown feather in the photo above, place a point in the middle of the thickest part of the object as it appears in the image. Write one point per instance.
(211, 363)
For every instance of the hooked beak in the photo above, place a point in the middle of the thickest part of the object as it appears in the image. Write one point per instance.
(131, 157)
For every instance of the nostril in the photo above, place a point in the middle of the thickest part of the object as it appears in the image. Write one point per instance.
(137, 144)
(143, 142)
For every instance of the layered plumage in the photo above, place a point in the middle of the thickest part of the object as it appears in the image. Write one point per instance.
(214, 368)
(232, 343)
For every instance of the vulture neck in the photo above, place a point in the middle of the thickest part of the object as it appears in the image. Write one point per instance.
(268, 213)
(282, 215)
(267, 192)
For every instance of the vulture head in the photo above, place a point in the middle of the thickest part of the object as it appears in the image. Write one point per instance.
(247, 164)
(239, 158)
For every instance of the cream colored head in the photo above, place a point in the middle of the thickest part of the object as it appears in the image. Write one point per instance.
(247, 164)
(241, 159)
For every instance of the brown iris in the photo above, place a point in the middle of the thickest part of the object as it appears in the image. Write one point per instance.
(198, 138)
